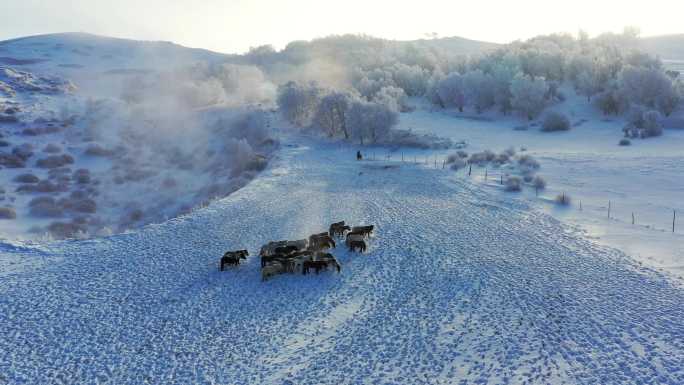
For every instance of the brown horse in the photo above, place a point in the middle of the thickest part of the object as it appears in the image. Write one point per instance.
(319, 242)
(357, 244)
(364, 230)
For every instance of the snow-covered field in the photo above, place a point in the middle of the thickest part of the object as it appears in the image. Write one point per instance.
(460, 285)
(587, 164)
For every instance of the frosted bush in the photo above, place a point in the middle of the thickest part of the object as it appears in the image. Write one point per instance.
(555, 121)
(481, 158)
(528, 164)
(457, 164)
(513, 184)
(7, 213)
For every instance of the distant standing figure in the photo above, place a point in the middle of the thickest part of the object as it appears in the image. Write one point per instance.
(358, 155)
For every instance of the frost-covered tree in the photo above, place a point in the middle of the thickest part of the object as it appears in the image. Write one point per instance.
(331, 115)
(528, 95)
(587, 84)
(611, 101)
(412, 79)
(647, 87)
(392, 97)
(480, 90)
(298, 102)
(370, 122)
(451, 92)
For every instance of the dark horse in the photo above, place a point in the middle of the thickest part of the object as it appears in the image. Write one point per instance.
(353, 245)
(319, 265)
(233, 257)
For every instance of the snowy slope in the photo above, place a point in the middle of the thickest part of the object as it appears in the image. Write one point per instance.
(128, 162)
(459, 285)
(587, 164)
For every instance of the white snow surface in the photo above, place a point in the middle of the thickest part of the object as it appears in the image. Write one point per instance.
(587, 164)
(460, 285)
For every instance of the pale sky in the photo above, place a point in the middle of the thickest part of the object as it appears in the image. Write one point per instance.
(234, 26)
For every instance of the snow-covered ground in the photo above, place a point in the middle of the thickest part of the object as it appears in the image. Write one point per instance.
(587, 164)
(460, 285)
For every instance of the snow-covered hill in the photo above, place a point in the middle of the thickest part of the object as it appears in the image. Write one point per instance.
(99, 135)
(460, 285)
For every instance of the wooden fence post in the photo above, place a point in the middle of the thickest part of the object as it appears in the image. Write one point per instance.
(443, 163)
(470, 169)
(632, 218)
(608, 209)
(580, 205)
(485, 174)
(502, 179)
(674, 218)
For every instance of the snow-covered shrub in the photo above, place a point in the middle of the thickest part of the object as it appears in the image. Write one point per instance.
(82, 176)
(643, 123)
(625, 142)
(85, 205)
(11, 161)
(528, 164)
(54, 161)
(98, 150)
(513, 184)
(26, 178)
(481, 158)
(611, 101)
(52, 148)
(501, 159)
(539, 183)
(252, 126)
(62, 230)
(45, 207)
(7, 213)
(24, 151)
(555, 121)
(563, 199)
(457, 164)
(510, 151)
(408, 138)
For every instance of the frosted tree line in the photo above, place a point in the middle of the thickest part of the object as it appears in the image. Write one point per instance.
(522, 78)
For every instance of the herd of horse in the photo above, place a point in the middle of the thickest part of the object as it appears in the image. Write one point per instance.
(305, 255)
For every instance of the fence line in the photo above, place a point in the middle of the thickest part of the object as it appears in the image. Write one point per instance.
(469, 173)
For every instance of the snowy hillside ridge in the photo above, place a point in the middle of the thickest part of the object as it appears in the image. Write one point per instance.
(459, 284)
(113, 151)
(13, 81)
